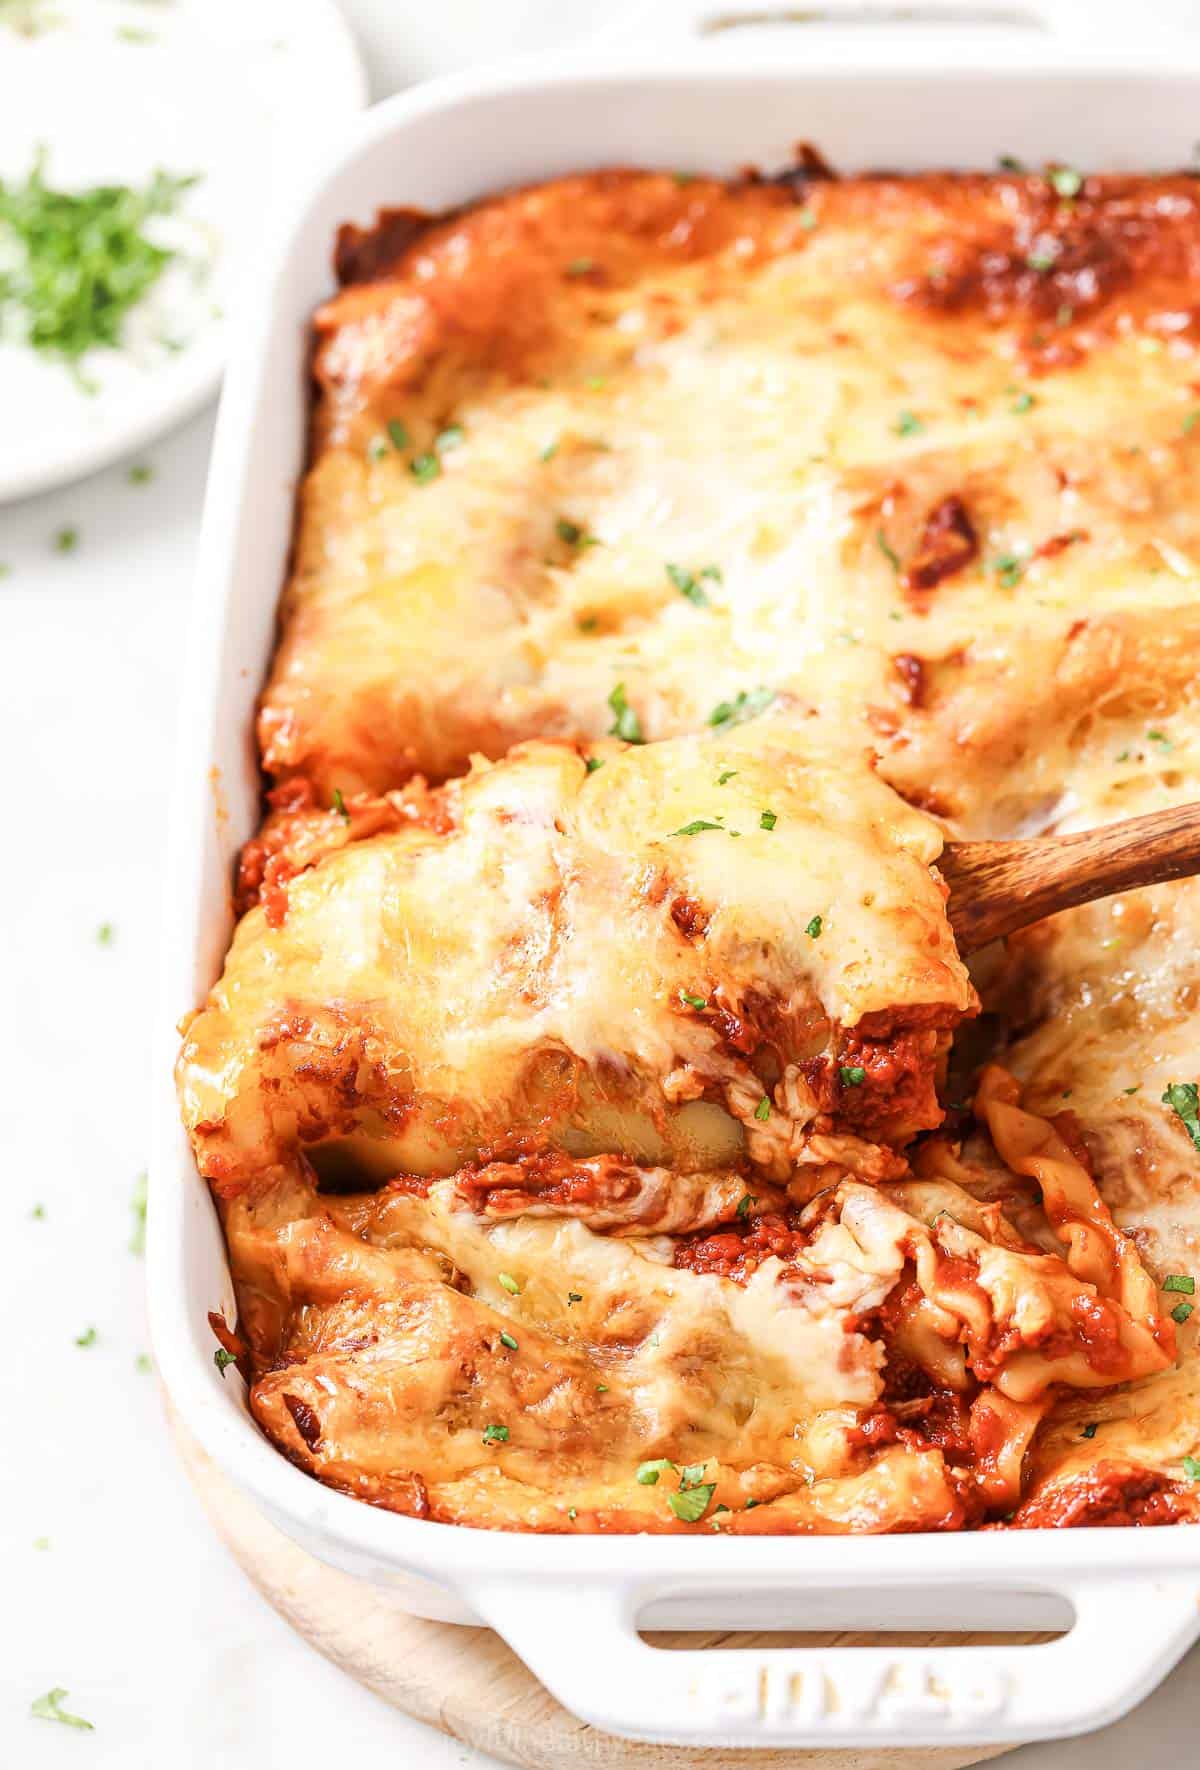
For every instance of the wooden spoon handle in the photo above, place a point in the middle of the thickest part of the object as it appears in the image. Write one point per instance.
(998, 887)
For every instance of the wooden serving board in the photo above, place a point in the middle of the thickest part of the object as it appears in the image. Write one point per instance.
(466, 1681)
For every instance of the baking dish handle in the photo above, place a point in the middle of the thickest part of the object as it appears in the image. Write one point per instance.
(582, 1642)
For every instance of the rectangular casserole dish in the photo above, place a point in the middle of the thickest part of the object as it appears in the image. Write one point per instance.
(908, 93)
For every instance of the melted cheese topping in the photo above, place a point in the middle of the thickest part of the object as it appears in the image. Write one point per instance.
(902, 466)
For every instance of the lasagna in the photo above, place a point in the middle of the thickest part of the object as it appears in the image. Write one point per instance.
(606, 1132)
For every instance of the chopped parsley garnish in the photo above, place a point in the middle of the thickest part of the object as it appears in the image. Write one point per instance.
(452, 437)
(745, 1204)
(572, 533)
(38, 1213)
(1136, 1088)
(1190, 422)
(398, 433)
(748, 703)
(509, 1283)
(579, 267)
(626, 723)
(762, 1111)
(377, 448)
(50, 1708)
(140, 474)
(1160, 738)
(696, 1002)
(1184, 1100)
(690, 1504)
(1024, 402)
(1066, 181)
(888, 551)
(506, 1339)
(1180, 1281)
(1010, 163)
(908, 424)
(1181, 1312)
(495, 1434)
(143, 1362)
(88, 1337)
(83, 260)
(137, 1204)
(66, 540)
(223, 1359)
(814, 928)
(1008, 568)
(574, 1297)
(726, 775)
(572, 1514)
(1191, 1468)
(41, 1542)
(687, 585)
(549, 452)
(592, 763)
(1090, 1430)
(601, 1388)
(808, 219)
(105, 934)
(851, 1075)
(648, 1473)
(424, 467)
(694, 828)
(339, 804)
(1041, 261)
(767, 820)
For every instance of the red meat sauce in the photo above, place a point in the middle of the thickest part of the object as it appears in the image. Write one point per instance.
(1108, 1495)
(736, 1253)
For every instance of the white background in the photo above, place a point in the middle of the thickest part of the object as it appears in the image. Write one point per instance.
(133, 1606)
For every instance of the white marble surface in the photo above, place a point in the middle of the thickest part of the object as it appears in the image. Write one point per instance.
(132, 1605)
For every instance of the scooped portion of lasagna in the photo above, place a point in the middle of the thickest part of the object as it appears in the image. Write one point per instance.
(605, 1130)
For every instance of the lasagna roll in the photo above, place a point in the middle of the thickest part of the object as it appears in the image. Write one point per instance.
(696, 954)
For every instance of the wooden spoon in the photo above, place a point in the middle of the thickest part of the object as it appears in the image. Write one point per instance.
(998, 887)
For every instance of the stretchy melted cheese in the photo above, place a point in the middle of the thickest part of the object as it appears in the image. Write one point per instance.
(582, 1162)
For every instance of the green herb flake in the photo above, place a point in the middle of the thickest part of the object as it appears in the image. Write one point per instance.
(580, 267)
(1090, 1430)
(549, 452)
(888, 551)
(339, 804)
(1184, 1100)
(814, 928)
(572, 533)
(50, 1708)
(1180, 1282)
(143, 1363)
(398, 433)
(83, 260)
(105, 934)
(694, 828)
(223, 1360)
(425, 467)
(592, 763)
(495, 1434)
(572, 1514)
(1066, 181)
(452, 437)
(1181, 1312)
(767, 820)
(377, 448)
(137, 1204)
(690, 1504)
(601, 1388)
(746, 704)
(626, 723)
(648, 1473)
(88, 1337)
(574, 1297)
(851, 1075)
(509, 1283)
(1134, 1090)
(808, 219)
(762, 1111)
(506, 1339)
(1010, 163)
(66, 540)
(1190, 422)
(687, 586)
(140, 474)
(908, 424)
(696, 1002)
(1160, 738)
(726, 775)
(41, 1542)
(750, 1505)
(1024, 402)
(1191, 1468)
(1009, 569)
(1041, 261)
(38, 1213)
(745, 1205)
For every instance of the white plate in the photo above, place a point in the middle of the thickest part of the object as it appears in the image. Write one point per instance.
(242, 92)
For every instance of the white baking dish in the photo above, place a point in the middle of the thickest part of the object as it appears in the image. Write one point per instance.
(902, 95)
